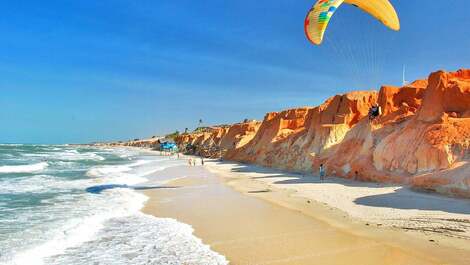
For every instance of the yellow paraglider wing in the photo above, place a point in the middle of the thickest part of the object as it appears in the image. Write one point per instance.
(381, 10)
(319, 16)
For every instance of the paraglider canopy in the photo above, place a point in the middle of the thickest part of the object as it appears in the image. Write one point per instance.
(319, 16)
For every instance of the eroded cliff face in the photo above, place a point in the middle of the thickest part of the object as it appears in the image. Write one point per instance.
(145, 143)
(422, 137)
(217, 140)
(273, 136)
(238, 135)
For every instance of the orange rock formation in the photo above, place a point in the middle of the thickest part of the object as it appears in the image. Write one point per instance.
(422, 137)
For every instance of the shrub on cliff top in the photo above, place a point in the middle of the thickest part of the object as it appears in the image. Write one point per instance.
(172, 136)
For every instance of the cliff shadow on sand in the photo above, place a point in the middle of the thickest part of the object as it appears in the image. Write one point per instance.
(403, 199)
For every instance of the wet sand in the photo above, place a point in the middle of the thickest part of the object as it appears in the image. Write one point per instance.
(255, 225)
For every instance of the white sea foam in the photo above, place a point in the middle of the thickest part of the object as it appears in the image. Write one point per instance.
(24, 168)
(37, 155)
(36, 183)
(107, 170)
(74, 155)
(142, 239)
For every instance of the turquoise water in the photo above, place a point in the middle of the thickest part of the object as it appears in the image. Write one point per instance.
(78, 205)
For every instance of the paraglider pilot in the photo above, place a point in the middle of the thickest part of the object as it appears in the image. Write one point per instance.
(374, 112)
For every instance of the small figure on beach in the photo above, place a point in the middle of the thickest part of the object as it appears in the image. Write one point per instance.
(202, 161)
(322, 172)
(190, 162)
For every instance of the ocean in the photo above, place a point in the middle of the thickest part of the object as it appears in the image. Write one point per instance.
(63, 204)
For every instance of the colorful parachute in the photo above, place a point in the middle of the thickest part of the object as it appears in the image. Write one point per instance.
(318, 17)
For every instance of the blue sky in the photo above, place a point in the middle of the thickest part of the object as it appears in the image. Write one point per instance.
(80, 71)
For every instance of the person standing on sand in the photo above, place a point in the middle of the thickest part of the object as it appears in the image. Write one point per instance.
(190, 162)
(202, 161)
(322, 172)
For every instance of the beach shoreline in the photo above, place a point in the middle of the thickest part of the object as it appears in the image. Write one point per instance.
(259, 183)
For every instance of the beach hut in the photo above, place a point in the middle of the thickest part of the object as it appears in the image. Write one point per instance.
(168, 147)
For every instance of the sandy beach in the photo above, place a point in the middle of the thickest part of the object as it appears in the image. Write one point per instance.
(380, 204)
(254, 215)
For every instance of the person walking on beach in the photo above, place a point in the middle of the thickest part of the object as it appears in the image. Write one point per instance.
(322, 172)
(190, 162)
(202, 161)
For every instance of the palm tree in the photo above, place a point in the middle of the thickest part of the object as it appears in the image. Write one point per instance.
(199, 125)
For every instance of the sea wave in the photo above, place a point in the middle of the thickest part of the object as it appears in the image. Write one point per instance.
(52, 219)
(107, 170)
(80, 229)
(71, 155)
(24, 168)
(114, 231)
(142, 239)
(116, 170)
(41, 184)
(74, 155)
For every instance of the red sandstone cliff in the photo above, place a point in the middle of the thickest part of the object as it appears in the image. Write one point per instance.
(422, 138)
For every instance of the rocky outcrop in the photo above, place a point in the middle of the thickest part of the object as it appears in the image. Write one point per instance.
(273, 135)
(151, 143)
(422, 137)
(448, 94)
(204, 142)
(239, 134)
